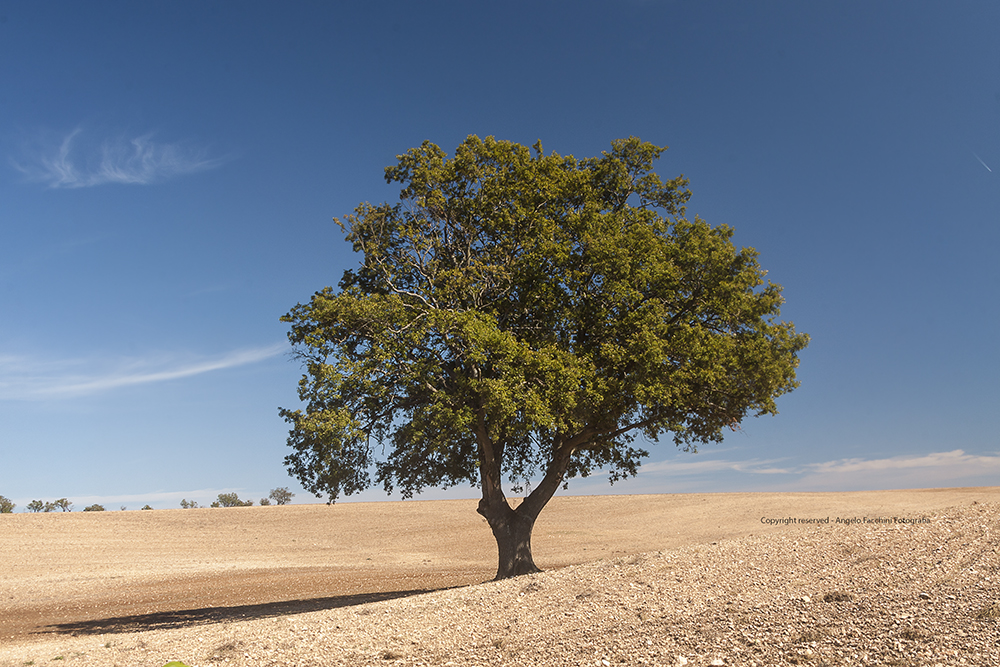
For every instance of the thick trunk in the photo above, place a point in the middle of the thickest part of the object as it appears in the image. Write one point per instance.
(512, 528)
(513, 535)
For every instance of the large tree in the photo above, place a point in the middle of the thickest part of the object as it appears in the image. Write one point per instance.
(518, 315)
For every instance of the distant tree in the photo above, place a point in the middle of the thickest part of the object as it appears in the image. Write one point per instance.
(94, 508)
(281, 495)
(146, 507)
(6, 506)
(36, 506)
(231, 500)
(189, 504)
(264, 501)
(520, 314)
(62, 504)
(123, 508)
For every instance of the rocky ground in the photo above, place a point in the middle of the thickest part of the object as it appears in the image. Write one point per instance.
(872, 592)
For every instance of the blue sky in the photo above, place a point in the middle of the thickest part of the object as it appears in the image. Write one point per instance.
(169, 171)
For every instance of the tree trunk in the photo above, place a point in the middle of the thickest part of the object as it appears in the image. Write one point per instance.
(512, 531)
(512, 528)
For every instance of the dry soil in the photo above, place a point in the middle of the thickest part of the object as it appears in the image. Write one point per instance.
(890, 577)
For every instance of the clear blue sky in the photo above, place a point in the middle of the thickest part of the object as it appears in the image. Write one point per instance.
(170, 170)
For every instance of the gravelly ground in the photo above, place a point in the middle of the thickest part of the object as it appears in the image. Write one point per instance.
(886, 593)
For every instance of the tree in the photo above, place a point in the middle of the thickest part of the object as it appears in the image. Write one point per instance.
(189, 504)
(62, 504)
(146, 507)
(6, 505)
(520, 313)
(280, 496)
(94, 508)
(231, 500)
(36, 506)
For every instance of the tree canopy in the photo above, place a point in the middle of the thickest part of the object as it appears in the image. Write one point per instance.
(518, 314)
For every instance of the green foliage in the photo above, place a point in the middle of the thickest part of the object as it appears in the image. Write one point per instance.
(6, 505)
(188, 504)
(145, 507)
(175, 663)
(265, 501)
(61, 504)
(231, 500)
(519, 312)
(280, 496)
(64, 504)
(94, 508)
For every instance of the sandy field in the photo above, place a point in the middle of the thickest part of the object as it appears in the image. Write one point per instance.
(889, 577)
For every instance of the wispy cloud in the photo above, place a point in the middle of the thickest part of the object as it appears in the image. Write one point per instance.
(674, 467)
(683, 474)
(956, 457)
(983, 163)
(936, 469)
(76, 163)
(29, 379)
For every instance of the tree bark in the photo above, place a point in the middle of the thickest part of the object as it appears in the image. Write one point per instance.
(512, 527)
(512, 531)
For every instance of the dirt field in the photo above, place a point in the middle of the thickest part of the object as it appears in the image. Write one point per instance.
(64, 576)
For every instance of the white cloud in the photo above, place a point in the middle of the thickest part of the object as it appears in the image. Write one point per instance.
(955, 457)
(914, 471)
(138, 160)
(694, 467)
(936, 469)
(27, 379)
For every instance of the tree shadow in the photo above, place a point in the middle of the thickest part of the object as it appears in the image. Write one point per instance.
(166, 620)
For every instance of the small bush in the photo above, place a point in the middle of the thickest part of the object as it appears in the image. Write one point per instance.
(6, 506)
(146, 507)
(189, 504)
(265, 501)
(94, 508)
(36, 506)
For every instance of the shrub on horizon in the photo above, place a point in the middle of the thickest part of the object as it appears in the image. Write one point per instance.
(146, 507)
(6, 505)
(231, 500)
(94, 508)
